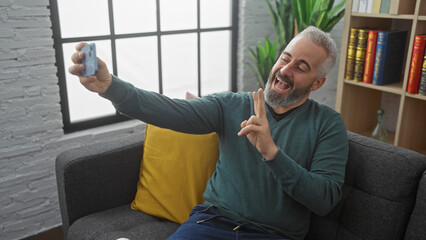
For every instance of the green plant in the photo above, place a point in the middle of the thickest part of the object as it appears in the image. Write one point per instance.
(282, 19)
(318, 13)
(266, 54)
(264, 58)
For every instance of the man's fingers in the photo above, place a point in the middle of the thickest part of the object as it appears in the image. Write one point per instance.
(254, 120)
(250, 125)
(255, 102)
(77, 57)
(79, 46)
(76, 69)
(248, 129)
(243, 124)
(259, 103)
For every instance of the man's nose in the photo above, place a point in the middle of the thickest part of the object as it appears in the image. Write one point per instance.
(287, 70)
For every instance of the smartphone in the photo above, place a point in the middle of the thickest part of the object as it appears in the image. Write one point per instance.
(90, 61)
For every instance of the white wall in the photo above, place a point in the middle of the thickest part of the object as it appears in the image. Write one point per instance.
(31, 132)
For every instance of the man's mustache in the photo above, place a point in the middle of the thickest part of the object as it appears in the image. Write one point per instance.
(284, 79)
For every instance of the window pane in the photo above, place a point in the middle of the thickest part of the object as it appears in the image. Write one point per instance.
(215, 62)
(178, 14)
(78, 21)
(179, 60)
(215, 13)
(131, 16)
(83, 104)
(137, 62)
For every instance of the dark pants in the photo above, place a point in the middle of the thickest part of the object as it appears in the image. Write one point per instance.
(207, 223)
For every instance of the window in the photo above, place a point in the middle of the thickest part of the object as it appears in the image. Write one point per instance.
(167, 46)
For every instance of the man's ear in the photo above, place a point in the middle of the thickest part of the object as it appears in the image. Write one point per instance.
(318, 83)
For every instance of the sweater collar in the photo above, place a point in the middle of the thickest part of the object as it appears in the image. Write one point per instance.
(281, 116)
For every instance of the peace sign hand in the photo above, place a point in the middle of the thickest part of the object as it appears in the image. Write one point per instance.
(256, 128)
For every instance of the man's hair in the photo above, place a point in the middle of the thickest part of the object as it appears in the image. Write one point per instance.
(324, 40)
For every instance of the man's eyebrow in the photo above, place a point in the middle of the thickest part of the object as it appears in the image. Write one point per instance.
(301, 60)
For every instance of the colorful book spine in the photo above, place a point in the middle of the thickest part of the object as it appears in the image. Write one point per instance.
(369, 56)
(389, 57)
(355, 5)
(416, 64)
(376, 6)
(422, 87)
(384, 6)
(360, 55)
(382, 38)
(350, 59)
(362, 8)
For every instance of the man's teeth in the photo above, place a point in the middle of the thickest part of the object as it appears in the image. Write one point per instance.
(282, 81)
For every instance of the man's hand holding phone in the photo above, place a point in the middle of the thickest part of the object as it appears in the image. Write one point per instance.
(91, 70)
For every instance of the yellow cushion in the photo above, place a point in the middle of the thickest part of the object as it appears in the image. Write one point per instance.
(174, 172)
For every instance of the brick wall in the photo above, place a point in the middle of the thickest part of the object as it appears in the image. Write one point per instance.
(31, 132)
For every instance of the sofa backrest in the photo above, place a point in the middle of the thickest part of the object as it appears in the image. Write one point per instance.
(378, 195)
(416, 228)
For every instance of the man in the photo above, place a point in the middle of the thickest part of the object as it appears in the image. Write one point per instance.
(279, 161)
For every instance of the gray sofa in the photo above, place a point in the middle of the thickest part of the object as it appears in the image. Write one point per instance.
(384, 196)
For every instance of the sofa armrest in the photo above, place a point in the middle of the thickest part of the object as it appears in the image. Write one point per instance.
(97, 177)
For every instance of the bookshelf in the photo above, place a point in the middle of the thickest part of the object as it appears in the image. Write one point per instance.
(358, 102)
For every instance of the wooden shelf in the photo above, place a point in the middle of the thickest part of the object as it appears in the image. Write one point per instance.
(381, 15)
(416, 96)
(395, 88)
(358, 102)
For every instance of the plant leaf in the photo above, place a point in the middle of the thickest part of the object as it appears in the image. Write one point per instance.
(334, 20)
(335, 9)
(317, 18)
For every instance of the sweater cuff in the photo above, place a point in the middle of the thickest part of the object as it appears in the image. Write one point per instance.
(117, 91)
(282, 165)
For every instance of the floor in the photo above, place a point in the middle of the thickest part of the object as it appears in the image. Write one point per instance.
(52, 234)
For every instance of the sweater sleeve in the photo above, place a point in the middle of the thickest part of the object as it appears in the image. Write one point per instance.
(197, 116)
(319, 188)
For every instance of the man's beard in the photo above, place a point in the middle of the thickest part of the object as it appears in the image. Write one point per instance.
(294, 96)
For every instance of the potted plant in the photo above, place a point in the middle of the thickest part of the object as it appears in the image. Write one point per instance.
(319, 13)
(290, 17)
(266, 53)
(264, 58)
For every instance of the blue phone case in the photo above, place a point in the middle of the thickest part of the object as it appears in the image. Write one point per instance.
(90, 61)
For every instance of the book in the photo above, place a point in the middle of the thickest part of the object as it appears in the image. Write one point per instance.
(362, 8)
(355, 5)
(350, 59)
(389, 57)
(416, 64)
(360, 55)
(422, 87)
(384, 6)
(369, 56)
(376, 6)
(394, 6)
(370, 6)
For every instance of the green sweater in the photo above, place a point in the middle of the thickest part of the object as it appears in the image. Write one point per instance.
(279, 195)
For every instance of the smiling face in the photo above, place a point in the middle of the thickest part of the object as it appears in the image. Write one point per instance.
(295, 75)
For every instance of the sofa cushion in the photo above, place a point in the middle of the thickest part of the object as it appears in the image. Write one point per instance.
(416, 228)
(378, 195)
(174, 172)
(120, 222)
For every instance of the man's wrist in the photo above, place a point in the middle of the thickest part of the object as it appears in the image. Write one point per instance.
(270, 155)
(107, 85)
